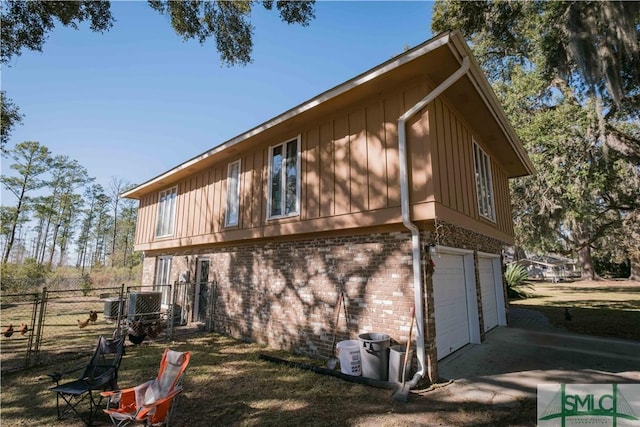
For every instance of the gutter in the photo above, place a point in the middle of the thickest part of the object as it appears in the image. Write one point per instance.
(406, 217)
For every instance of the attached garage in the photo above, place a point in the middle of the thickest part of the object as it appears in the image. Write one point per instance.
(491, 291)
(455, 302)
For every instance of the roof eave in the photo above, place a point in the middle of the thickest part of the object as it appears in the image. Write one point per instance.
(457, 45)
(482, 84)
(422, 49)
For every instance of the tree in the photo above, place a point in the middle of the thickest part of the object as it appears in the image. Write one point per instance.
(31, 161)
(101, 230)
(10, 118)
(591, 47)
(60, 207)
(126, 240)
(123, 224)
(7, 214)
(71, 207)
(581, 192)
(92, 194)
(592, 44)
(577, 118)
(228, 22)
(597, 39)
(621, 246)
(41, 213)
(25, 24)
(116, 186)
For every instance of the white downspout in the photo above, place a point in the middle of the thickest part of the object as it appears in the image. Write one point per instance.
(406, 215)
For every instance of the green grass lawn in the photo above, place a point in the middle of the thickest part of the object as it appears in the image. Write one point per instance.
(603, 308)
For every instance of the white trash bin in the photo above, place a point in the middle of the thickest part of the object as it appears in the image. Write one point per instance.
(349, 356)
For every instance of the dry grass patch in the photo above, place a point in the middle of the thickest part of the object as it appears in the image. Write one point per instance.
(228, 385)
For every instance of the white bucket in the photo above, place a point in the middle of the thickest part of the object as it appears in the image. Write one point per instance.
(349, 356)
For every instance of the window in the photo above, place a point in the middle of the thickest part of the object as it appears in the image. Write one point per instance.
(284, 179)
(484, 183)
(233, 194)
(166, 212)
(163, 278)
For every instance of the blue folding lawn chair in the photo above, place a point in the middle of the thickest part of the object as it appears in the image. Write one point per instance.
(99, 375)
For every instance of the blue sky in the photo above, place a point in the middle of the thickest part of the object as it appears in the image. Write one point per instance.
(137, 100)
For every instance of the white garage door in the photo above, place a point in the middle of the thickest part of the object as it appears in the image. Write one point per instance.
(488, 292)
(449, 295)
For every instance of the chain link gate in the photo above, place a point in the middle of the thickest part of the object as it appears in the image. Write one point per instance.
(19, 321)
(71, 321)
(57, 325)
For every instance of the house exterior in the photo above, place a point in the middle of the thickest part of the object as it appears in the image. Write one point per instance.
(552, 268)
(391, 187)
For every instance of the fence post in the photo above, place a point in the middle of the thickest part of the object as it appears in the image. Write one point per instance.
(40, 325)
(118, 332)
(172, 307)
(34, 314)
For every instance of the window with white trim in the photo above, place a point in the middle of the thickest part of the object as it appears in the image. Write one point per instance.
(233, 194)
(484, 183)
(163, 278)
(166, 212)
(284, 179)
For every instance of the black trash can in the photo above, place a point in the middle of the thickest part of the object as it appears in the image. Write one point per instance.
(374, 355)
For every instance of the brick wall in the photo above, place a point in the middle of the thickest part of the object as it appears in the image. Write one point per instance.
(283, 293)
(148, 271)
(446, 234)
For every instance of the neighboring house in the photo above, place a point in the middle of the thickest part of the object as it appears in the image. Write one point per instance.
(551, 268)
(349, 191)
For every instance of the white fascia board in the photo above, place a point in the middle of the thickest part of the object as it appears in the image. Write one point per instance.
(479, 80)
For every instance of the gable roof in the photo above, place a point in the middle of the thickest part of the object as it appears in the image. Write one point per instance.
(448, 49)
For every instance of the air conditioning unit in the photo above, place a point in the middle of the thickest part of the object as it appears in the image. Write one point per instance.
(144, 305)
(111, 308)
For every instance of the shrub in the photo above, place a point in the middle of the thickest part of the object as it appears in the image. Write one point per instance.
(26, 277)
(517, 281)
(85, 283)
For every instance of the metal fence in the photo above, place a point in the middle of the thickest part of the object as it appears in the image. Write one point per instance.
(18, 314)
(55, 325)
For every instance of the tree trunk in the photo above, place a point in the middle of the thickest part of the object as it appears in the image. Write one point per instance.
(126, 249)
(45, 239)
(586, 262)
(115, 231)
(14, 224)
(53, 244)
(634, 266)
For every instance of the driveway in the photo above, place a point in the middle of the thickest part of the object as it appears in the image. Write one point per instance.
(514, 360)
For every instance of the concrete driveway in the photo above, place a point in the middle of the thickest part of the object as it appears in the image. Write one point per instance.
(513, 361)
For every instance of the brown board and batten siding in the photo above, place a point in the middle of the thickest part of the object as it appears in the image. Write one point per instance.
(349, 166)
(451, 143)
(250, 182)
(349, 175)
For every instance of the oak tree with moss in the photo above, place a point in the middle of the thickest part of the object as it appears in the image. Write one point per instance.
(568, 76)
